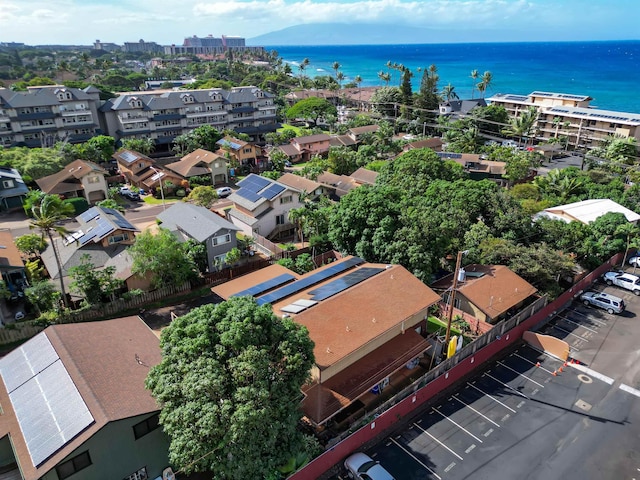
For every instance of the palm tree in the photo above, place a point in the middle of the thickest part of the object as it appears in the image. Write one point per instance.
(485, 82)
(303, 65)
(336, 66)
(522, 125)
(449, 93)
(358, 80)
(340, 78)
(474, 77)
(381, 76)
(46, 218)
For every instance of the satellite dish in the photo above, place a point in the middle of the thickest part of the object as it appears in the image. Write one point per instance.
(167, 474)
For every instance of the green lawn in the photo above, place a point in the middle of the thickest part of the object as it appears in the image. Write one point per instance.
(151, 200)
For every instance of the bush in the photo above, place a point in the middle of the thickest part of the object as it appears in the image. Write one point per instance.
(80, 205)
(180, 193)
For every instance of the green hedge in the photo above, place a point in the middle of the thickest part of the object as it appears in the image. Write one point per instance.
(79, 204)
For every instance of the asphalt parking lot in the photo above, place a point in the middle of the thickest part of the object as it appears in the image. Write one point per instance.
(530, 416)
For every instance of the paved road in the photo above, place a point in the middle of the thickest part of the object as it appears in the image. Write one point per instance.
(518, 420)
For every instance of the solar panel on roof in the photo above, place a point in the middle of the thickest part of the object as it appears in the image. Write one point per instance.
(90, 214)
(128, 156)
(49, 409)
(272, 191)
(308, 281)
(266, 286)
(248, 194)
(340, 284)
(255, 183)
(122, 222)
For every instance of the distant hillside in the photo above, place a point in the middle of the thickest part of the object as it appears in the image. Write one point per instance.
(377, 34)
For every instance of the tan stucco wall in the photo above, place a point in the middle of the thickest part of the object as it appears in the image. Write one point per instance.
(547, 343)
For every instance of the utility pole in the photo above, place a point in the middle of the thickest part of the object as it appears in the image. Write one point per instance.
(453, 297)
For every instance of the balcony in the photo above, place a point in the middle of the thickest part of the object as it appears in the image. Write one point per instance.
(35, 116)
(75, 111)
(166, 116)
(132, 118)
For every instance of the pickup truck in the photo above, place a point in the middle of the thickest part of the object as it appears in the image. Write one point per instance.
(623, 280)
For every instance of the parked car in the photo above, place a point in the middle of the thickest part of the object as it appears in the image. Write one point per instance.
(224, 192)
(127, 193)
(362, 467)
(610, 303)
(635, 261)
(623, 280)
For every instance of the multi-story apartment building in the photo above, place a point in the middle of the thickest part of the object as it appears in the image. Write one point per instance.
(141, 46)
(571, 117)
(209, 45)
(42, 116)
(163, 115)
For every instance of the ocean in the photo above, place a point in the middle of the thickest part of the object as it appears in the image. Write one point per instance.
(606, 71)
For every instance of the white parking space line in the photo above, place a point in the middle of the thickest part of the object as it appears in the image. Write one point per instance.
(576, 323)
(506, 385)
(519, 374)
(416, 459)
(527, 360)
(457, 425)
(568, 332)
(630, 390)
(473, 409)
(438, 441)
(589, 317)
(492, 398)
(592, 373)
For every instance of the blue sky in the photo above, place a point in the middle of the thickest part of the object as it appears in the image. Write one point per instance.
(170, 21)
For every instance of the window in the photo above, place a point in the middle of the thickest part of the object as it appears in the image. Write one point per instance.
(280, 219)
(123, 237)
(93, 179)
(146, 426)
(77, 463)
(139, 475)
(222, 239)
(287, 199)
(7, 183)
(220, 259)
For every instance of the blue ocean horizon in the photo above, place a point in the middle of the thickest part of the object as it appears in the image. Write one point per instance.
(607, 71)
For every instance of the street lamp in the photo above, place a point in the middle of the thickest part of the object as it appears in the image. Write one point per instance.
(160, 174)
(453, 297)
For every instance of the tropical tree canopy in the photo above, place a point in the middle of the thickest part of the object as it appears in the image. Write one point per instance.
(229, 388)
(311, 109)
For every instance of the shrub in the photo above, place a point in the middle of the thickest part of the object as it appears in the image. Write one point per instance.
(80, 205)
(180, 192)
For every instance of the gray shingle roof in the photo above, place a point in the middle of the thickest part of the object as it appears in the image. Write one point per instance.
(197, 222)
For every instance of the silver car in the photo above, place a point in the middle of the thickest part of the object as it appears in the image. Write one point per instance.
(362, 467)
(610, 303)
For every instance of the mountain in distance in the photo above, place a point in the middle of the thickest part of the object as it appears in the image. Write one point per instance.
(387, 34)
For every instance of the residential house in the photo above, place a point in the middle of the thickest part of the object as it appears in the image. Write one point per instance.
(12, 189)
(312, 189)
(570, 116)
(80, 178)
(353, 137)
(477, 167)
(199, 163)
(343, 184)
(11, 264)
(239, 152)
(460, 108)
(44, 115)
(162, 115)
(487, 292)
(187, 221)
(367, 322)
(359, 98)
(587, 211)
(141, 171)
(302, 149)
(261, 206)
(434, 143)
(104, 233)
(74, 404)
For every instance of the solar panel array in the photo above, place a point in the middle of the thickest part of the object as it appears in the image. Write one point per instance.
(254, 183)
(128, 156)
(248, 194)
(235, 146)
(48, 406)
(308, 281)
(349, 280)
(263, 287)
(272, 191)
(90, 214)
(118, 219)
(449, 155)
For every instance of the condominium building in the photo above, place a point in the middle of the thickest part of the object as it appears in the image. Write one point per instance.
(571, 117)
(163, 115)
(210, 45)
(42, 116)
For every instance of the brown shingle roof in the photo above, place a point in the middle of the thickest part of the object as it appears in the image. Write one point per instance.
(9, 253)
(195, 163)
(494, 292)
(319, 137)
(433, 143)
(299, 182)
(365, 129)
(108, 362)
(342, 141)
(364, 176)
(69, 174)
